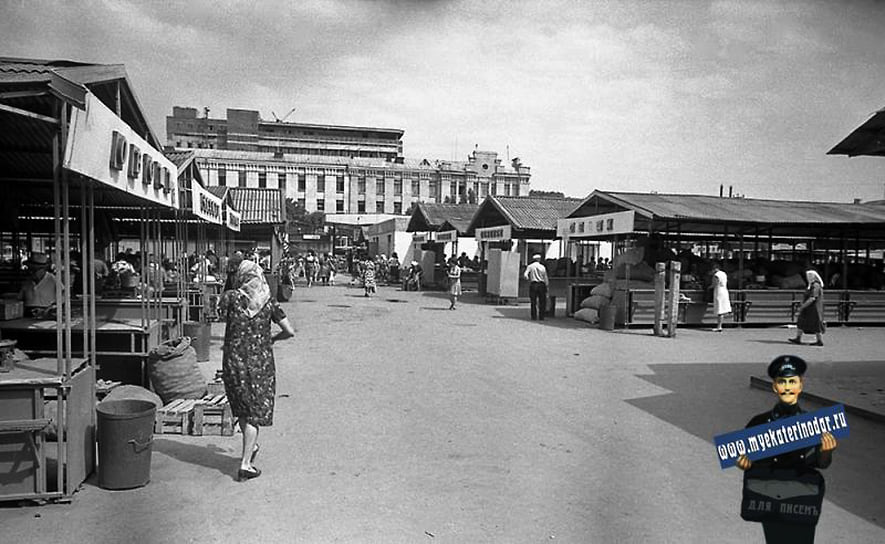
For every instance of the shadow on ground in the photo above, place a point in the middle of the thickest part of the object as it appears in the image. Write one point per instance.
(524, 314)
(699, 391)
(209, 456)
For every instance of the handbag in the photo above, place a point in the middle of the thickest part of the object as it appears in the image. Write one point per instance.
(782, 495)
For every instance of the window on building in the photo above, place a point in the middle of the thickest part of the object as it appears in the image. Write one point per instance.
(242, 178)
(281, 181)
(361, 206)
(397, 207)
(222, 177)
(361, 186)
(339, 183)
(453, 190)
(301, 182)
(379, 206)
(339, 206)
(321, 184)
(379, 186)
(516, 189)
(434, 190)
(416, 187)
(494, 189)
(262, 180)
(398, 187)
(321, 204)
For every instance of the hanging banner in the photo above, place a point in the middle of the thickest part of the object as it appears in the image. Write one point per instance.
(205, 205)
(102, 147)
(596, 225)
(446, 236)
(493, 234)
(232, 219)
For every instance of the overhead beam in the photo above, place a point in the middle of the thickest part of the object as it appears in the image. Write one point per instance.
(29, 114)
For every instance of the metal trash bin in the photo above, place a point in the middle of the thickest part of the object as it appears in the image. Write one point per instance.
(125, 437)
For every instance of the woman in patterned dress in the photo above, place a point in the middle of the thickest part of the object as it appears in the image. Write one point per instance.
(369, 278)
(454, 274)
(247, 365)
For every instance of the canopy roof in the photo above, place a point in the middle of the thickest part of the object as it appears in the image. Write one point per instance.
(702, 214)
(528, 216)
(867, 139)
(430, 216)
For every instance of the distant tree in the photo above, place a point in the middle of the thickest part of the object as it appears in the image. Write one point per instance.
(471, 196)
(551, 194)
(447, 200)
(462, 199)
(300, 220)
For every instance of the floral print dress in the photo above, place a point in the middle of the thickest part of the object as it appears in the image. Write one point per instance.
(247, 367)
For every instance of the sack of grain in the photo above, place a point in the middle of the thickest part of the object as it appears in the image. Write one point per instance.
(588, 315)
(595, 302)
(174, 373)
(603, 290)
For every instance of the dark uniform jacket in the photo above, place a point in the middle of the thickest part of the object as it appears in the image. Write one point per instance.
(800, 460)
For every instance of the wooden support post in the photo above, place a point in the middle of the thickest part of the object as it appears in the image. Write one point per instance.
(673, 315)
(660, 271)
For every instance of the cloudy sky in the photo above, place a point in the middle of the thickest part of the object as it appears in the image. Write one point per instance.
(639, 96)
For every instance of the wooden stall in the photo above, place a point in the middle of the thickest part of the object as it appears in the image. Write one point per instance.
(749, 237)
(68, 135)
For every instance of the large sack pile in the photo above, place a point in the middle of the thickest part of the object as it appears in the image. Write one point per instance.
(795, 281)
(588, 315)
(174, 373)
(599, 298)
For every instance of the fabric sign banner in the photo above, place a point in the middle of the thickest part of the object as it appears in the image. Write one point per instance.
(781, 436)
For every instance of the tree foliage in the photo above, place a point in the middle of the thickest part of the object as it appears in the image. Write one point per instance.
(551, 194)
(300, 220)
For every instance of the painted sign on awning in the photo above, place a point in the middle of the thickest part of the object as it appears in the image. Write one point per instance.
(232, 218)
(102, 147)
(205, 205)
(607, 224)
(493, 234)
(446, 236)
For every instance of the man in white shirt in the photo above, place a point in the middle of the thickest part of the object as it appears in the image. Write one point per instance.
(38, 290)
(536, 274)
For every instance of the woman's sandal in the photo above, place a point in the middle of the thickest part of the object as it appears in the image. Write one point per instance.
(243, 474)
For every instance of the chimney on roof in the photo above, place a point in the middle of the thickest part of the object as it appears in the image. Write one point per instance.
(730, 191)
(721, 188)
(857, 201)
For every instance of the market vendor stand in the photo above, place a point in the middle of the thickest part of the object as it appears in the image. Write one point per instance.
(743, 232)
(439, 231)
(65, 135)
(509, 230)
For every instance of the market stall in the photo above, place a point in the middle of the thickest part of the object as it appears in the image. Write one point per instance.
(508, 231)
(68, 133)
(763, 246)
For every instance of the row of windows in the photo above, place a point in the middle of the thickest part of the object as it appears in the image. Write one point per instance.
(361, 206)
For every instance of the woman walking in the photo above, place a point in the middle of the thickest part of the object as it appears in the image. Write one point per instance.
(454, 274)
(721, 300)
(247, 365)
(811, 311)
(369, 277)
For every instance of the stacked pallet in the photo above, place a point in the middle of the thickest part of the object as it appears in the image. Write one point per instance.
(210, 415)
(176, 417)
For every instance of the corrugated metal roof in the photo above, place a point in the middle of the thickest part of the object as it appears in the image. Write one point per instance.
(867, 139)
(259, 205)
(429, 216)
(676, 207)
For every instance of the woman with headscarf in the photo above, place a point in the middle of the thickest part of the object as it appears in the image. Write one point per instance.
(247, 365)
(454, 274)
(811, 311)
(369, 278)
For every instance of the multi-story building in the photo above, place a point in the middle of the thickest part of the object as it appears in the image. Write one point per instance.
(335, 169)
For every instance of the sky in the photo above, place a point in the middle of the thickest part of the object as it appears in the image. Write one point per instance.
(673, 97)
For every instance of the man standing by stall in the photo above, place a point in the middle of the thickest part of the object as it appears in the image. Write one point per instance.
(536, 274)
(38, 290)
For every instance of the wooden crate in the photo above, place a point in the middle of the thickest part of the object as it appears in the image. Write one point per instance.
(176, 417)
(212, 416)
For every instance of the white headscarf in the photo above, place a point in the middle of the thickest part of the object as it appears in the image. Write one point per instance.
(250, 282)
(812, 276)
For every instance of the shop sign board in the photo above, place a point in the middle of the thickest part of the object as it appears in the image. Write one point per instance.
(419, 238)
(102, 147)
(446, 236)
(493, 234)
(232, 219)
(596, 225)
(205, 205)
